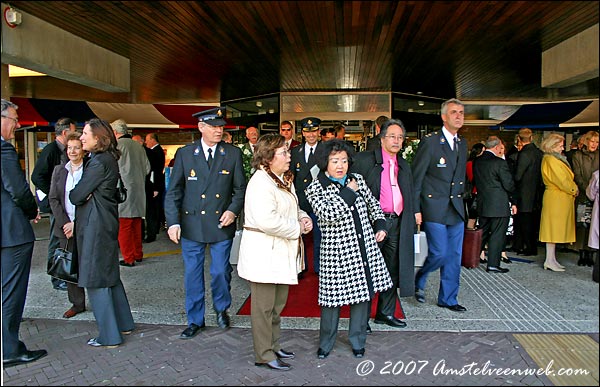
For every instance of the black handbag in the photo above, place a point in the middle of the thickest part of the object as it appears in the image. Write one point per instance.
(121, 191)
(61, 265)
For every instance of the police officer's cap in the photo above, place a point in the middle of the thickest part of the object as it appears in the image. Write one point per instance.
(213, 117)
(310, 124)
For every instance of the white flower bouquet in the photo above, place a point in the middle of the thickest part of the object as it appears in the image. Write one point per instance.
(410, 150)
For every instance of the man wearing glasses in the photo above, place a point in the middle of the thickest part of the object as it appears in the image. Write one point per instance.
(389, 178)
(18, 207)
(287, 131)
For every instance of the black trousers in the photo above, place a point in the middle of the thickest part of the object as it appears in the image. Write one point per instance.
(154, 209)
(528, 230)
(386, 303)
(494, 234)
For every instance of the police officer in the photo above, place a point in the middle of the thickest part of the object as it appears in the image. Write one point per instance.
(205, 195)
(303, 161)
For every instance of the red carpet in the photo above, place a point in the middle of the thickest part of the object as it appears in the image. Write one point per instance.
(302, 298)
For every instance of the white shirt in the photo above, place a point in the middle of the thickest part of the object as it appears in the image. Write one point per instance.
(72, 180)
(205, 148)
(307, 150)
(449, 137)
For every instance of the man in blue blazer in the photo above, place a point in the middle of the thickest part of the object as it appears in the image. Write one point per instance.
(18, 207)
(206, 193)
(439, 171)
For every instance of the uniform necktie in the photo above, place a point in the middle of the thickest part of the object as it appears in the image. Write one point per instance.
(209, 160)
(398, 201)
(456, 146)
(311, 155)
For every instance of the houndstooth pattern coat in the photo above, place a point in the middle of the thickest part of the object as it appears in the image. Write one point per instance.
(352, 267)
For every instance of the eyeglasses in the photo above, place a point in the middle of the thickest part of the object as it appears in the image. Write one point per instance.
(394, 137)
(285, 129)
(284, 153)
(16, 120)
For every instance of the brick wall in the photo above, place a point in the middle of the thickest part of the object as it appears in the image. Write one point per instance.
(475, 134)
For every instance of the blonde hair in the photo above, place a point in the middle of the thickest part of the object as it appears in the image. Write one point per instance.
(551, 142)
(588, 136)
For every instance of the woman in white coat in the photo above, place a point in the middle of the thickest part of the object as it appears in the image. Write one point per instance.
(270, 249)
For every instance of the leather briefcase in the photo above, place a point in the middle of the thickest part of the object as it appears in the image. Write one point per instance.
(471, 248)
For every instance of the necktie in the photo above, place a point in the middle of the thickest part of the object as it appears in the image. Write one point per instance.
(209, 160)
(310, 156)
(456, 146)
(396, 194)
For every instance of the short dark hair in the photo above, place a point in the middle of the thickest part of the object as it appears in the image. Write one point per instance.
(332, 146)
(264, 152)
(388, 123)
(379, 121)
(63, 124)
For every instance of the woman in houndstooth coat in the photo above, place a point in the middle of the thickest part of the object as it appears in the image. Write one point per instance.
(352, 267)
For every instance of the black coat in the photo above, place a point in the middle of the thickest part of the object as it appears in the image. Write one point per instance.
(369, 165)
(439, 179)
(528, 179)
(50, 157)
(156, 156)
(97, 222)
(302, 175)
(18, 203)
(198, 196)
(495, 185)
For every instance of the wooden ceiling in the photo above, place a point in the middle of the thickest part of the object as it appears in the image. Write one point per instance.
(188, 51)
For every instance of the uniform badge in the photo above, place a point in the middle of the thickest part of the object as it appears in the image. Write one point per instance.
(222, 151)
(224, 172)
(197, 151)
(442, 163)
(192, 175)
(443, 140)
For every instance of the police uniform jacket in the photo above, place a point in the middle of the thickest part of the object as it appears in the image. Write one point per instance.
(197, 196)
(302, 175)
(97, 222)
(18, 203)
(352, 268)
(369, 165)
(439, 179)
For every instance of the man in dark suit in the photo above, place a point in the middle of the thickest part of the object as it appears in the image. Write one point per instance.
(287, 130)
(374, 142)
(302, 162)
(495, 188)
(376, 167)
(18, 206)
(530, 191)
(439, 172)
(52, 155)
(155, 187)
(205, 195)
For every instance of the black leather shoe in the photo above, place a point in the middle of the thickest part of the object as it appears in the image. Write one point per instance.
(454, 308)
(358, 353)
(389, 320)
(369, 331)
(139, 260)
(191, 331)
(505, 259)
(322, 354)
(496, 269)
(123, 263)
(223, 320)
(420, 295)
(149, 240)
(482, 260)
(26, 357)
(275, 365)
(283, 354)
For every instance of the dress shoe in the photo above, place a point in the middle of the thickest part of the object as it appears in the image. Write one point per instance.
(138, 259)
(72, 312)
(322, 354)
(369, 330)
(191, 331)
(149, 240)
(552, 267)
(482, 261)
(283, 354)
(94, 343)
(223, 320)
(127, 333)
(275, 365)
(60, 286)
(123, 263)
(496, 269)
(358, 353)
(420, 295)
(505, 259)
(25, 357)
(454, 308)
(389, 320)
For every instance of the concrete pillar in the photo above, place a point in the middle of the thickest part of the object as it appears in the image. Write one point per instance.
(43, 47)
(573, 61)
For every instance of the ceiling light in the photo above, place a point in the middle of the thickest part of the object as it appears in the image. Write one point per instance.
(421, 103)
(14, 71)
(258, 104)
(271, 111)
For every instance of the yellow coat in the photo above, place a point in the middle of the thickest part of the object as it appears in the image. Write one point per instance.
(558, 207)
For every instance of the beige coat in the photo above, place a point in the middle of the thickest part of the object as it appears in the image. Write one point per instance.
(270, 255)
(558, 207)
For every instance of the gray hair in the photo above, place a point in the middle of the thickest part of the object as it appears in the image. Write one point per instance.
(448, 102)
(120, 126)
(491, 142)
(7, 104)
